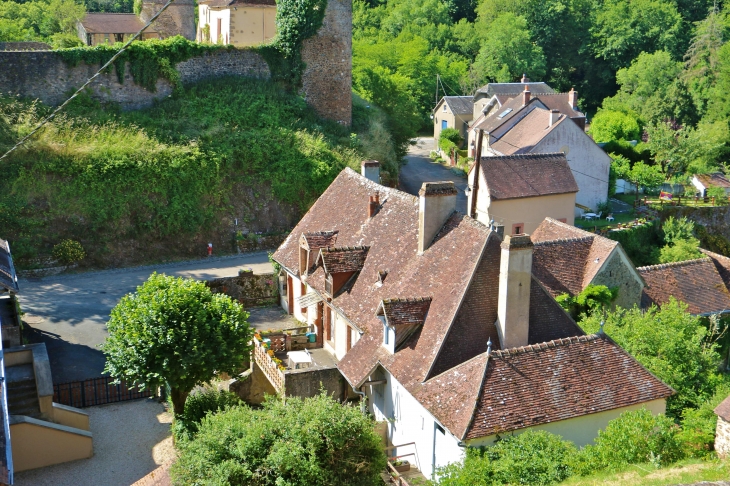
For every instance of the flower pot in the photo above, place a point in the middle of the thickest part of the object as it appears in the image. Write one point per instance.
(403, 467)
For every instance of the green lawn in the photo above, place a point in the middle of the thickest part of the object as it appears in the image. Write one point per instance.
(602, 223)
(683, 472)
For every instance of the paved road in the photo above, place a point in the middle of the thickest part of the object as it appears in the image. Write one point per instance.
(420, 168)
(69, 312)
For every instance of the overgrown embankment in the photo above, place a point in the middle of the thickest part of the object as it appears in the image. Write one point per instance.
(163, 182)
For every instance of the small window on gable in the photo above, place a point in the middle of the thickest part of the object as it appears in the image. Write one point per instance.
(518, 228)
(563, 220)
(303, 259)
(444, 107)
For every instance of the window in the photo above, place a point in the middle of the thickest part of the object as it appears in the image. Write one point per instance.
(328, 285)
(88, 39)
(517, 228)
(444, 124)
(303, 260)
(303, 292)
(504, 113)
(118, 37)
(349, 339)
(444, 107)
(328, 324)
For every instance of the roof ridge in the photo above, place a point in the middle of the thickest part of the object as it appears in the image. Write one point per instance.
(662, 266)
(346, 248)
(384, 190)
(503, 353)
(525, 156)
(407, 300)
(565, 240)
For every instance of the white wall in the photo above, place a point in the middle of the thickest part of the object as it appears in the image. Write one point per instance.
(225, 15)
(409, 421)
(581, 430)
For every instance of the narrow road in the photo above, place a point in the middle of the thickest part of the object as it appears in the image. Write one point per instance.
(420, 168)
(69, 312)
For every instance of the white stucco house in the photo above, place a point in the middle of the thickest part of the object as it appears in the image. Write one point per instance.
(705, 181)
(438, 320)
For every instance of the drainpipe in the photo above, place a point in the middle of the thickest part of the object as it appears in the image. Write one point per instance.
(363, 398)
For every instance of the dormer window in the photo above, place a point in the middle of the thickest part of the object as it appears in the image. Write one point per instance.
(401, 318)
(309, 246)
(328, 285)
(341, 265)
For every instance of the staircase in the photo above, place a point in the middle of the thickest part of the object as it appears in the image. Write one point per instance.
(22, 392)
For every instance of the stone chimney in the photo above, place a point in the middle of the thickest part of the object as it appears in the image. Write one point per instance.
(524, 79)
(370, 169)
(499, 229)
(515, 277)
(554, 116)
(177, 19)
(573, 99)
(526, 95)
(437, 201)
(373, 204)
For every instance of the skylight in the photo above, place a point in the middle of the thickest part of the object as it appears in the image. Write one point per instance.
(504, 113)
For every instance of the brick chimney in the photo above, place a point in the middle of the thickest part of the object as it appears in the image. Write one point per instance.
(526, 95)
(437, 201)
(370, 169)
(513, 306)
(554, 116)
(573, 99)
(373, 204)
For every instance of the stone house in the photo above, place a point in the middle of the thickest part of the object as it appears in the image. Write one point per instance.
(519, 191)
(441, 323)
(705, 181)
(238, 22)
(452, 112)
(722, 432)
(567, 259)
(547, 124)
(108, 28)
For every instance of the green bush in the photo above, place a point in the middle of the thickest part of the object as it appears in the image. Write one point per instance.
(68, 252)
(640, 243)
(699, 424)
(198, 405)
(298, 442)
(719, 194)
(634, 437)
(533, 457)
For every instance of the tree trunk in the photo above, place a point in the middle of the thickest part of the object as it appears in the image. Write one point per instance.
(178, 398)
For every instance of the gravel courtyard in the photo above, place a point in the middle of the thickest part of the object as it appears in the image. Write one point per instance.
(131, 439)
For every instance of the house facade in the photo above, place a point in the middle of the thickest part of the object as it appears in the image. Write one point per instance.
(520, 191)
(237, 22)
(722, 430)
(440, 322)
(452, 112)
(705, 181)
(108, 28)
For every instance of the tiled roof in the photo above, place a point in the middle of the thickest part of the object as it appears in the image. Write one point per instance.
(320, 239)
(560, 102)
(558, 380)
(405, 315)
(112, 23)
(492, 89)
(695, 282)
(566, 259)
(524, 134)
(460, 105)
(512, 108)
(723, 410)
(722, 265)
(227, 3)
(716, 179)
(344, 259)
(8, 278)
(528, 175)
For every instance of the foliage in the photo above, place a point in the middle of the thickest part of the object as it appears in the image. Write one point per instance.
(297, 20)
(533, 457)
(175, 331)
(637, 173)
(449, 140)
(634, 437)
(591, 299)
(199, 404)
(38, 20)
(699, 424)
(312, 441)
(713, 241)
(679, 239)
(640, 243)
(68, 252)
(610, 125)
(719, 194)
(670, 343)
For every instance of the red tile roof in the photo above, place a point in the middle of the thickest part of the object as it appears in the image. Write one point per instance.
(112, 23)
(722, 264)
(525, 134)
(344, 260)
(695, 282)
(528, 175)
(723, 410)
(319, 239)
(405, 315)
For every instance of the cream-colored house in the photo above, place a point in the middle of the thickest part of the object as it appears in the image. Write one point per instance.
(520, 191)
(452, 112)
(237, 22)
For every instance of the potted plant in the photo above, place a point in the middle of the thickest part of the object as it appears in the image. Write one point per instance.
(400, 465)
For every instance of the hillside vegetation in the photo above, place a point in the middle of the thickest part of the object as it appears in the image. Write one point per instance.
(162, 182)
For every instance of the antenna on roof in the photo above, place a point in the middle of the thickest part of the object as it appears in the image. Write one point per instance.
(489, 346)
(600, 331)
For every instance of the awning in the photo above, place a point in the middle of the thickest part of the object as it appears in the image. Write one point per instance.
(308, 299)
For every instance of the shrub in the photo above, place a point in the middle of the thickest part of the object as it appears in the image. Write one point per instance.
(198, 406)
(634, 437)
(69, 252)
(699, 424)
(639, 243)
(719, 194)
(533, 457)
(308, 442)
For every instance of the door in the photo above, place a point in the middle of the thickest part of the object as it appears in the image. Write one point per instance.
(444, 124)
(218, 33)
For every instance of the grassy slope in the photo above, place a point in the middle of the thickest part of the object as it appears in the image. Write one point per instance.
(166, 179)
(684, 472)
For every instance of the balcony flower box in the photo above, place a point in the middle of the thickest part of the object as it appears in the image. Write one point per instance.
(401, 465)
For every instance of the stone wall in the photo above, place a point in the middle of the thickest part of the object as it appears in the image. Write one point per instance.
(722, 438)
(618, 272)
(714, 219)
(327, 81)
(178, 18)
(248, 288)
(307, 383)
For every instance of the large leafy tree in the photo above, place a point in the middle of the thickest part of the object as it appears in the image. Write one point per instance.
(175, 331)
(298, 442)
(670, 343)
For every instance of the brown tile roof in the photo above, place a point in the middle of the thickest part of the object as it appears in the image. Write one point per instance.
(723, 410)
(528, 175)
(344, 259)
(716, 179)
(112, 23)
(566, 259)
(722, 264)
(405, 315)
(559, 380)
(695, 282)
(319, 239)
(525, 134)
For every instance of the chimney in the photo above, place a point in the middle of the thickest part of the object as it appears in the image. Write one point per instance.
(526, 95)
(573, 99)
(524, 79)
(515, 276)
(437, 201)
(373, 204)
(554, 116)
(370, 169)
(499, 229)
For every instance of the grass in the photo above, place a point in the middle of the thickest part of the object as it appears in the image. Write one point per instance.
(602, 223)
(683, 472)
